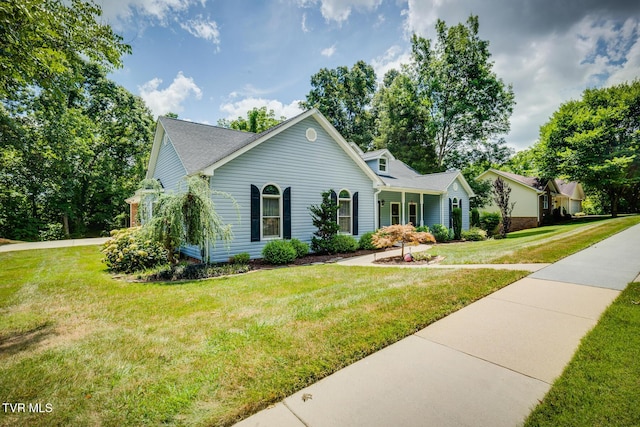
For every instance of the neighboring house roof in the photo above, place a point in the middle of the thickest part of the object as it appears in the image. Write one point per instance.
(376, 154)
(203, 148)
(571, 189)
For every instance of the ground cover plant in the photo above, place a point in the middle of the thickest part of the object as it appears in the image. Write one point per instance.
(207, 352)
(600, 386)
(535, 245)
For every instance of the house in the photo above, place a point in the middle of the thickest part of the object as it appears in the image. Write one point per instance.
(535, 199)
(275, 176)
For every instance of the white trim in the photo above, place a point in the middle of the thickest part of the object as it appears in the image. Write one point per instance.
(403, 216)
(421, 209)
(409, 213)
(391, 213)
(350, 199)
(280, 207)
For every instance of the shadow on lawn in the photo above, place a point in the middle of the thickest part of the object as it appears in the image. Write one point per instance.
(18, 342)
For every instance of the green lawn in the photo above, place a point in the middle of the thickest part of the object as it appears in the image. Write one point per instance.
(107, 352)
(601, 385)
(543, 244)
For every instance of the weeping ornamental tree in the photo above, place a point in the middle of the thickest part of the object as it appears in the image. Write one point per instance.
(186, 217)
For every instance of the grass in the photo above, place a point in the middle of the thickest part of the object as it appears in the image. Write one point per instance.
(538, 245)
(601, 385)
(106, 352)
(210, 352)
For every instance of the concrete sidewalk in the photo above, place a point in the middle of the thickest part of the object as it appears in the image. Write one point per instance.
(52, 244)
(487, 364)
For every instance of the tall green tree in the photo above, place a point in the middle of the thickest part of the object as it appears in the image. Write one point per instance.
(467, 104)
(400, 122)
(258, 120)
(42, 42)
(596, 140)
(344, 96)
(72, 159)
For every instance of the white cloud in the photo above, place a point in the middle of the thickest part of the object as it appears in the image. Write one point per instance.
(393, 58)
(339, 10)
(204, 29)
(329, 51)
(162, 101)
(305, 29)
(158, 9)
(236, 109)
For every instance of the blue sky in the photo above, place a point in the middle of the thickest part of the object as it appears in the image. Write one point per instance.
(212, 59)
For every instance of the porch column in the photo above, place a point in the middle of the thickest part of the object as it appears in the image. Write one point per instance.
(404, 220)
(421, 209)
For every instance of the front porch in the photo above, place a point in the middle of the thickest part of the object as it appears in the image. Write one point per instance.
(403, 207)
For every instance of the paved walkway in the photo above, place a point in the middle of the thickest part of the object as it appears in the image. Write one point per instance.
(367, 261)
(487, 364)
(52, 244)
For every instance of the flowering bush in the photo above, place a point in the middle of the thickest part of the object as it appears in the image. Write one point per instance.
(128, 250)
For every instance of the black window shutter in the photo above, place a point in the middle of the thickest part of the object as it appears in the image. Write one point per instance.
(286, 206)
(354, 209)
(460, 204)
(450, 217)
(255, 214)
(334, 197)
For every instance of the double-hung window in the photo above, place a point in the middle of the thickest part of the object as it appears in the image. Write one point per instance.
(271, 212)
(344, 211)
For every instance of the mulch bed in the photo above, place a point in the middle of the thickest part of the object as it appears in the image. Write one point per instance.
(258, 264)
(398, 260)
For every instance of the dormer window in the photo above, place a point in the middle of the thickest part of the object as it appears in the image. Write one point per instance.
(382, 164)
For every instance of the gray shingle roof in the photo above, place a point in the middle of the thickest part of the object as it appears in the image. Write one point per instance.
(199, 145)
(526, 180)
(565, 187)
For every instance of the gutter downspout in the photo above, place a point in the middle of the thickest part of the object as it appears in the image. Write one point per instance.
(376, 209)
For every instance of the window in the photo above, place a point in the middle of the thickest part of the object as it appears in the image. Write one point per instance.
(545, 201)
(271, 212)
(413, 214)
(455, 204)
(344, 212)
(382, 164)
(395, 213)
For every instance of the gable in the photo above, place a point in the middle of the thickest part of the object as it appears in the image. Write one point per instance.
(493, 174)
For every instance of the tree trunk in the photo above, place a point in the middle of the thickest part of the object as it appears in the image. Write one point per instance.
(65, 224)
(614, 197)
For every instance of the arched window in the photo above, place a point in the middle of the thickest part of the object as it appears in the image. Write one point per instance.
(271, 212)
(344, 211)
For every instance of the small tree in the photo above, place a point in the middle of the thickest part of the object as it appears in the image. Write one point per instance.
(187, 218)
(404, 234)
(324, 218)
(501, 194)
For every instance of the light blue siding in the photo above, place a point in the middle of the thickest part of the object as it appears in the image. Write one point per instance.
(461, 195)
(289, 160)
(431, 210)
(169, 169)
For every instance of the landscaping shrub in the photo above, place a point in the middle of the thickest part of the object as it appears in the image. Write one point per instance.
(342, 243)
(475, 217)
(128, 250)
(366, 243)
(474, 234)
(489, 221)
(301, 248)
(456, 216)
(323, 217)
(423, 229)
(242, 258)
(441, 233)
(279, 252)
(53, 231)
(423, 256)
